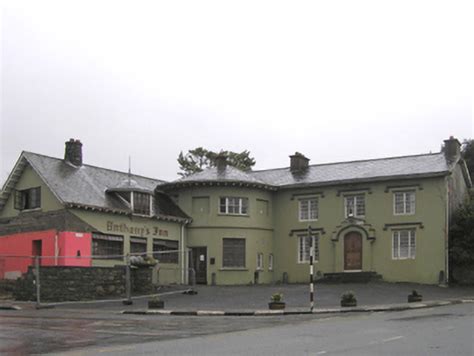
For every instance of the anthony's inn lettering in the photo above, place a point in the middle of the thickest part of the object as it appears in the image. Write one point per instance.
(136, 230)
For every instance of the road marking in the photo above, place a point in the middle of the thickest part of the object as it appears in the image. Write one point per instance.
(392, 338)
(321, 352)
(115, 349)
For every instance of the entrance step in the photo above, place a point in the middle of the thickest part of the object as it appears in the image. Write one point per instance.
(350, 277)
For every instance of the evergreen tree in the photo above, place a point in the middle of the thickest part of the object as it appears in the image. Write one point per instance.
(198, 159)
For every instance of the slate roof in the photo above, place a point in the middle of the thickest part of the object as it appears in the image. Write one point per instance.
(359, 171)
(87, 186)
(325, 174)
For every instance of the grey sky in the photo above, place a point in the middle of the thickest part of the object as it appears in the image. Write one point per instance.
(337, 80)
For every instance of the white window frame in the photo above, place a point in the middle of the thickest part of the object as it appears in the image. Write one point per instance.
(240, 205)
(260, 261)
(308, 210)
(405, 199)
(411, 244)
(302, 241)
(270, 262)
(356, 198)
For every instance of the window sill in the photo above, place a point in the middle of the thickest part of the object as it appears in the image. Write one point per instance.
(241, 215)
(312, 220)
(240, 269)
(143, 215)
(30, 210)
(403, 214)
(307, 262)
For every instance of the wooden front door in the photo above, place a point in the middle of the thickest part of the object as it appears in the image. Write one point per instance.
(198, 262)
(353, 251)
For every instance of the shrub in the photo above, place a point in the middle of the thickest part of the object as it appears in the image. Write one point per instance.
(277, 297)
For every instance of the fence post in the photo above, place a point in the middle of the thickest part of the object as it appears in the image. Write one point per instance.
(128, 282)
(37, 282)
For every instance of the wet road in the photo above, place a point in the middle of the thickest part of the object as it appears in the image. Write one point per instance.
(47, 332)
(443, 330)
(446, 330)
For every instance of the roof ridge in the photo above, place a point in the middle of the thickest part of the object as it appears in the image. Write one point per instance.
(353, 161)
(97, 167)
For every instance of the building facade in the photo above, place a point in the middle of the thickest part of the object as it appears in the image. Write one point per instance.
(73, 214)
(389, 216)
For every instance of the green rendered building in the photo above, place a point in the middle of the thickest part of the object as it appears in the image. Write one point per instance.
(386, 217)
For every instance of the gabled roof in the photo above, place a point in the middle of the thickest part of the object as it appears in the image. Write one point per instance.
(84, 186)
(425, 165)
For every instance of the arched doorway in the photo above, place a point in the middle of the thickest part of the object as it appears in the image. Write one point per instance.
(353, 251)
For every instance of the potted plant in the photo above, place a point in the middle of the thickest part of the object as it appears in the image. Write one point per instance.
(156, 303)
(414, 297)
(276, 301)
(348, 299)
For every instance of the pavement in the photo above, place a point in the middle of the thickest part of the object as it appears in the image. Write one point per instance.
(252, 300)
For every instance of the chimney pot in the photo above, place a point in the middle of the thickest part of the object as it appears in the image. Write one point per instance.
(221, 162)
(298, 163)
(452, 149)
(73, 152)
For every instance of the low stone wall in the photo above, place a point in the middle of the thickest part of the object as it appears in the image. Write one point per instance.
(59, 283)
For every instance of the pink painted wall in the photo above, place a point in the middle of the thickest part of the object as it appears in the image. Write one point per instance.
(16, 250)
(75, 244)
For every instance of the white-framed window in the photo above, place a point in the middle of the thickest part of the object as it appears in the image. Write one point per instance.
(304, 245)
(354, 205)
(260, 261)
(270, 262)
(404, 203)
(308, 209)
(403, 244)
(140, 203)
(234, 205)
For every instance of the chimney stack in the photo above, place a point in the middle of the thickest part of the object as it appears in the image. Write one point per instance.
(73, 152)
(452, 149)
(298, 163)
(221, 162)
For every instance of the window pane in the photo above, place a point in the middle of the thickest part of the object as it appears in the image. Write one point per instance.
(161, 250)
(233, 254)
(360, 205)
(107, 246)
(138, 246)
(395, 245)
(222, 206)
(399, 204)
(350, 206)
(141, 203)
(313, 209)
(410, 202)
(244, 202)
(403, 236)
(412, 244)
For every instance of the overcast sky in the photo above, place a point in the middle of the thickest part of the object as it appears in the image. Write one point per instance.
(335, 80)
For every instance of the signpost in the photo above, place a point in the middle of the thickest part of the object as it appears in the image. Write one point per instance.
(311, 269)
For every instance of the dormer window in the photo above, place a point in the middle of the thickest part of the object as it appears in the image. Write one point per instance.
(141, 203)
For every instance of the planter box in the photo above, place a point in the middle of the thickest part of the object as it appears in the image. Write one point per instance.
(276, 305)
(415, 298)
(352, 303)
(156, 304)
